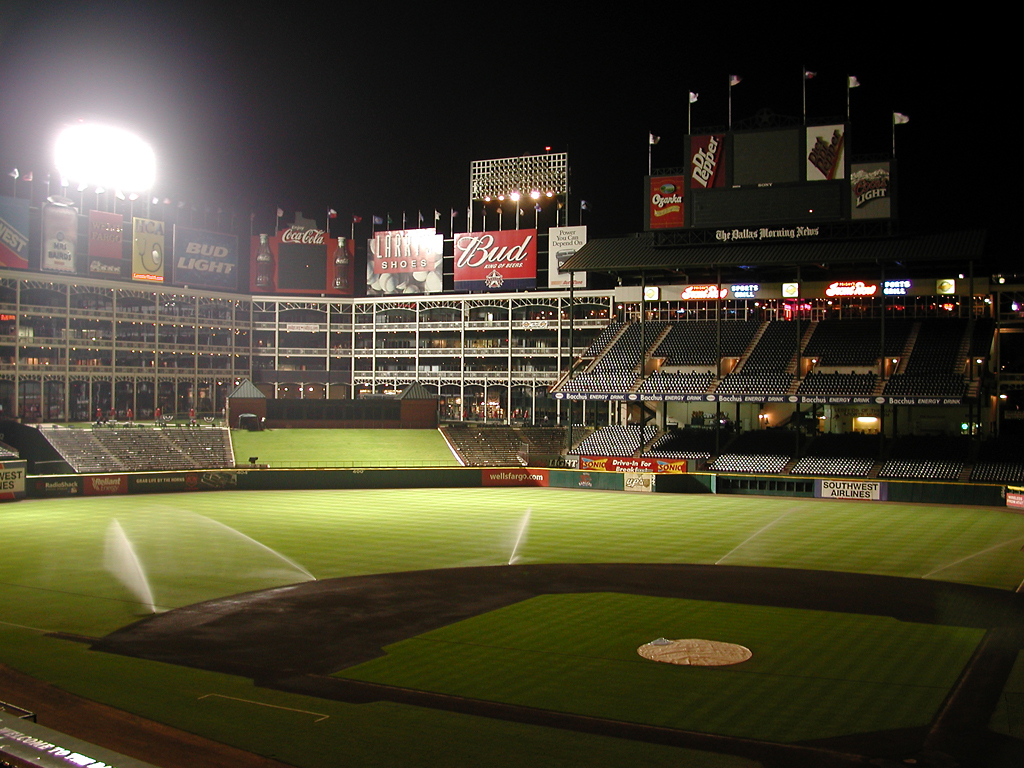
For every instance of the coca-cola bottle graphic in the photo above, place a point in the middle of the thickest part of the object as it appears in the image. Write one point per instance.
(341, 267)
(264, 265)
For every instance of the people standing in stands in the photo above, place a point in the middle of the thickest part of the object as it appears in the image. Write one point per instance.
(157, 414)
(99, 415)
(129, 415)
(192, 416)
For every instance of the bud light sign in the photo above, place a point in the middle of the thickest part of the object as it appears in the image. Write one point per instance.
(496, 261)
(205, 259)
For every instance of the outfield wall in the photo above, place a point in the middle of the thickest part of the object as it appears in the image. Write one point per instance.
(244, 479)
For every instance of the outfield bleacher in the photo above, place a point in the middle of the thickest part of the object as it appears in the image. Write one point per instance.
(141, 449)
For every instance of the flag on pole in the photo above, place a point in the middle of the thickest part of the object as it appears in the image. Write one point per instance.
(437, 215)
(734, 80)
(693, 97)
(280, 212)
(377, 220)
(27, 176)
(808, 75)
(584, 206)
(654, 139)
(454, 213)
(357, 219)
(14, 174)
(852, 82)
(332, 214)
(899, 118)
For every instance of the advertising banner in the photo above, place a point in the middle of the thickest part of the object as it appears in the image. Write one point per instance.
(825, 156)
(512, 477)
(341, 266)
(870, 191)
(707, 162)
(205, 259)
(65, 485)
(496, 261)
(105, 485)
(563, 242)
(13, 233)
(301, 260)
(638, 482)
(106, 254)
(665, 202)
(148, 250)
(866, 490)
(262, 263)
(60, 235)
(630, 464)
(1015, 497)
(404, 261)
(12, 479)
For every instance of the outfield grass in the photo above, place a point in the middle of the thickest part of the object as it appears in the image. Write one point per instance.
(52, 579)
(344, 447)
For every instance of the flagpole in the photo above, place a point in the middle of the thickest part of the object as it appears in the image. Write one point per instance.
(803, 93)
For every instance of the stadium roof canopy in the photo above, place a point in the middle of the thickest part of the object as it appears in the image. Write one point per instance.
(629, 256)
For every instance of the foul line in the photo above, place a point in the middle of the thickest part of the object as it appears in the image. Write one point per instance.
(962, 559)
(753, 536)
(23, 626)
(319, 715)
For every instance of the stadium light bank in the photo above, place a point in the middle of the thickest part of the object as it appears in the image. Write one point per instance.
(105, 156)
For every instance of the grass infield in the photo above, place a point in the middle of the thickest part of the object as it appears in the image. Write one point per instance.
(201, 546)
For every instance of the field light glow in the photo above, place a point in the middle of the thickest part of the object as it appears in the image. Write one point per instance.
(105, 156)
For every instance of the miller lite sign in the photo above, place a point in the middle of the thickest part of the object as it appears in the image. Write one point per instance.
(496, 261)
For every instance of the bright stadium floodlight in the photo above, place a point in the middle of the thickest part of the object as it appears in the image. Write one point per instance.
(105, 156)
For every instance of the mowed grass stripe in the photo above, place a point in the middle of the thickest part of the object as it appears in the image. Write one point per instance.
(814, 674)
(59, 544)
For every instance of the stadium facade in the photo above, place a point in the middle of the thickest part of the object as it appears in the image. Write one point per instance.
(772, 283)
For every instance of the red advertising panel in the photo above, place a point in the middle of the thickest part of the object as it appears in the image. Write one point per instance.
(405, 261)
(302, 261)
(13, 232)
(263, 264)
(629, 464)
(105, 485)
(496, 261)
(526, 476)
(707, 162)
(106, 237)
(665, 202)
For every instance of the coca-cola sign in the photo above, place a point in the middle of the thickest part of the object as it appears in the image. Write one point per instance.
(490, 261)
(303, 236)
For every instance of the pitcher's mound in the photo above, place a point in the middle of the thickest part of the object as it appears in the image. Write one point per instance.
(694, 653)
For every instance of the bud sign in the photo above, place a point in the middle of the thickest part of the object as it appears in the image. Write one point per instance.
(205, 259)
(492, 261)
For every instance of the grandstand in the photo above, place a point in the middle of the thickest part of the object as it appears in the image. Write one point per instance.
(141, 448)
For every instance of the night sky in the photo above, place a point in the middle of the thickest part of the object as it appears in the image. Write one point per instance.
(376, 109)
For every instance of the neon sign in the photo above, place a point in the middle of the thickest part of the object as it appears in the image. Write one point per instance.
(851, 289)
(895, 287)
(703, 292)
(745, 290)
